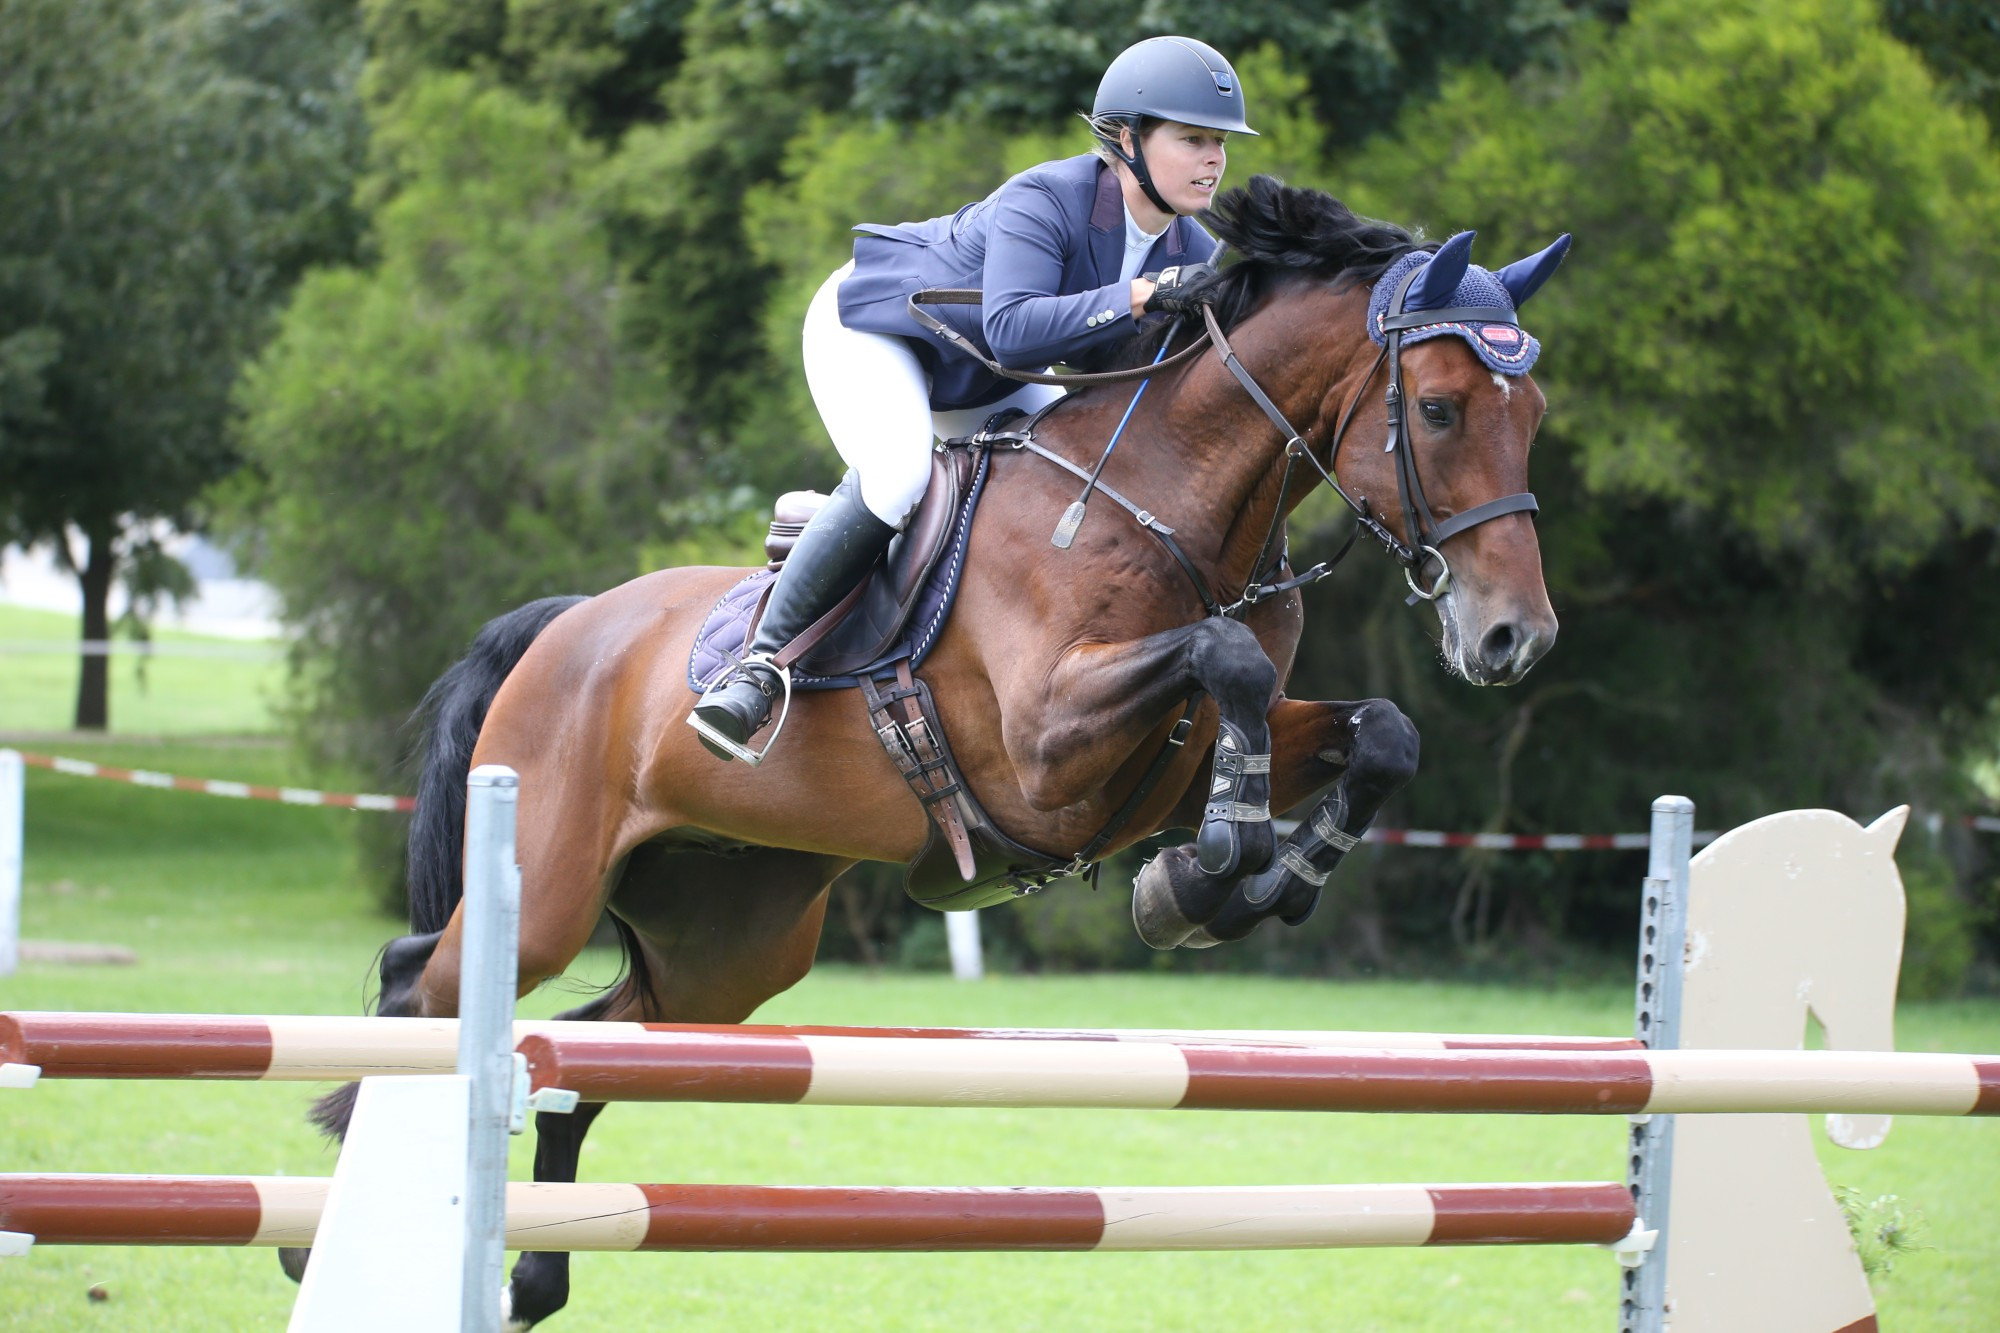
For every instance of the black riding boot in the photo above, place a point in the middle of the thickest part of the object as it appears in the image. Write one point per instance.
(832, 555)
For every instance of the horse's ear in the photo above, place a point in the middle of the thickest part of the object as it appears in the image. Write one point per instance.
(1889, 827)
(1437, 282)
(1524, 277)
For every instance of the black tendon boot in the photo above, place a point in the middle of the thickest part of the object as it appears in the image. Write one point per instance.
(832, 555)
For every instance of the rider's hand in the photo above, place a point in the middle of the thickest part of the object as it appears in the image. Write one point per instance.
(1172, 287)
(1142, 292)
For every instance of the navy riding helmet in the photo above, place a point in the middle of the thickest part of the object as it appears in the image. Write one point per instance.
(1167, 78)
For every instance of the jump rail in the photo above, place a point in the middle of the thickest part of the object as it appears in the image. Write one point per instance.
(285, 1210)
(311, 1048)
(1697, 1270)
(886, 1071)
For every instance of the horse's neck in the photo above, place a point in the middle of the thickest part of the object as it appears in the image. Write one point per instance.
(1233, 451)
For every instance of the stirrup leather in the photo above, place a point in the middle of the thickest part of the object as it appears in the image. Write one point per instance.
(744, 752)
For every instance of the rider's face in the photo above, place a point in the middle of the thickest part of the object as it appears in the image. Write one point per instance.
(1187, 164)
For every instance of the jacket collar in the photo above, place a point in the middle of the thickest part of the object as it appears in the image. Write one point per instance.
(1107, 225)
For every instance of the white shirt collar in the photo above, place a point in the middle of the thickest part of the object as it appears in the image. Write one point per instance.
(1135, 237)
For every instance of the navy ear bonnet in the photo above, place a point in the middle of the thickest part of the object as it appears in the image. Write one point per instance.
(1451, 280)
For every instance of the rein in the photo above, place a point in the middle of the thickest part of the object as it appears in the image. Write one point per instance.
(1078, 379)
(1427, 534)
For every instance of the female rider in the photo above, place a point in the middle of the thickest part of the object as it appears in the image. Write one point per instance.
(1067, 255)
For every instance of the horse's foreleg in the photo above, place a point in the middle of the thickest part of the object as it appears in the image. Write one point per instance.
(1104, 699)
(1367, 750)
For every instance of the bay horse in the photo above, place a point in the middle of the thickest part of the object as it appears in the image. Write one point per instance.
(1060, 674)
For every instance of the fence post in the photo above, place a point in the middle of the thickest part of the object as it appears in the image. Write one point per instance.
(486, 1032)
(961, 932)
(13, 835)
(1662, 951)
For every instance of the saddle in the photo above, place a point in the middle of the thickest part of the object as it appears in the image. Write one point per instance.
(868, 630)
(873, 642)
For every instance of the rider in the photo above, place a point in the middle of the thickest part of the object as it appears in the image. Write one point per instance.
(1058, 252)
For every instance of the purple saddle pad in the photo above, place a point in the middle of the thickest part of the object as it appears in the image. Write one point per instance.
(721, 635)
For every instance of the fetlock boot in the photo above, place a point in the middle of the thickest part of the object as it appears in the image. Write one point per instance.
(832, 555)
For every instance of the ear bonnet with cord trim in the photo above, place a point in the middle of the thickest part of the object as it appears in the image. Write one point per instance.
(1450, 280)
(1167, 78)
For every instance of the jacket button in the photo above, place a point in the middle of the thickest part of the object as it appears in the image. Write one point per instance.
(1091, 321)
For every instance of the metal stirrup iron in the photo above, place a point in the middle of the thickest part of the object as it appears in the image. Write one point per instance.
(744, 752)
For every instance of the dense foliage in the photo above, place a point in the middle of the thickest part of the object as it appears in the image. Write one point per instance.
(587, 230)
(1769, 471)
(166, 169)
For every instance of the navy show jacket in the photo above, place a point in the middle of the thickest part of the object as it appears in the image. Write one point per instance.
(1045, 248)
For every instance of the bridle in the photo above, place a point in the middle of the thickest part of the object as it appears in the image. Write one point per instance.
(1427, 535)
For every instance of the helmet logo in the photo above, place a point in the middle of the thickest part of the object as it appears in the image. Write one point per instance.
(1222, 83)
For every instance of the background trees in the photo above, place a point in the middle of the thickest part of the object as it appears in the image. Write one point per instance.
(556, 341)
(166, 168)
(1768, 473)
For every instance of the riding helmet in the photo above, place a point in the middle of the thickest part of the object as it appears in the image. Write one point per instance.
(1173, 78)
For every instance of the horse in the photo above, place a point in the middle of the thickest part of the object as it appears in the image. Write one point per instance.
(1064, 674)
(1790, 915)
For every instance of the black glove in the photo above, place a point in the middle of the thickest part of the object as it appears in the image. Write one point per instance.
(1179, 290)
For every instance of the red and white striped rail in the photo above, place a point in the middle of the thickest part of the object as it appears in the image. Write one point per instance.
(285, 1210)
(1161, 1069)
(729, 1066)
(214, 1046)
(84, 768)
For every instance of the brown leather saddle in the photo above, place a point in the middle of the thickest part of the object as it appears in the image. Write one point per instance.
(966, 861)
(865, 627)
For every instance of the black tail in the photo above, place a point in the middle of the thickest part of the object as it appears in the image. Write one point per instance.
(453, 711)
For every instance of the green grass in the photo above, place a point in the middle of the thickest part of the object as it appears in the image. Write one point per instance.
(153, 696)
(240, 907)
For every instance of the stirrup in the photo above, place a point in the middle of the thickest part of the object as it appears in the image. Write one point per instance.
(739, 751)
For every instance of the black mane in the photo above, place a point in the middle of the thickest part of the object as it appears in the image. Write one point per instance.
(1277, 233)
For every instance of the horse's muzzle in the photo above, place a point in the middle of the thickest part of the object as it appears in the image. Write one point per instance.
(1508, 648)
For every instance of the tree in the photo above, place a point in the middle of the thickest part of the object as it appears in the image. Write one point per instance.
(156, 193)
(1771, 472)
(1960, 40)
(456, 428)
(1030, 63)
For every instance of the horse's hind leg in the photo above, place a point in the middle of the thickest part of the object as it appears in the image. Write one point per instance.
(715, 936)
(1367, 750)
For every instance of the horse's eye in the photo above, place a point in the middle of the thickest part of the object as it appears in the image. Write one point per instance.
(1437, 412)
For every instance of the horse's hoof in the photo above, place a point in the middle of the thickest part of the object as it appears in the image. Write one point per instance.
(1155, 914)
(293, 1260)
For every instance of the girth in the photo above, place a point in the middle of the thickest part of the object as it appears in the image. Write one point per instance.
(975, 864)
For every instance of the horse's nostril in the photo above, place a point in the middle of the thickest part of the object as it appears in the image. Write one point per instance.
(1496, 649)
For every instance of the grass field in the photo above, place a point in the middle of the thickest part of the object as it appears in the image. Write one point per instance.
(173, 696)
(240, 907)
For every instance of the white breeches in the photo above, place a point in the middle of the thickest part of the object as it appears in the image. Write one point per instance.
(874, 397)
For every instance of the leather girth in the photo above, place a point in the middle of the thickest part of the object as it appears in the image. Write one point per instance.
(972, 864)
